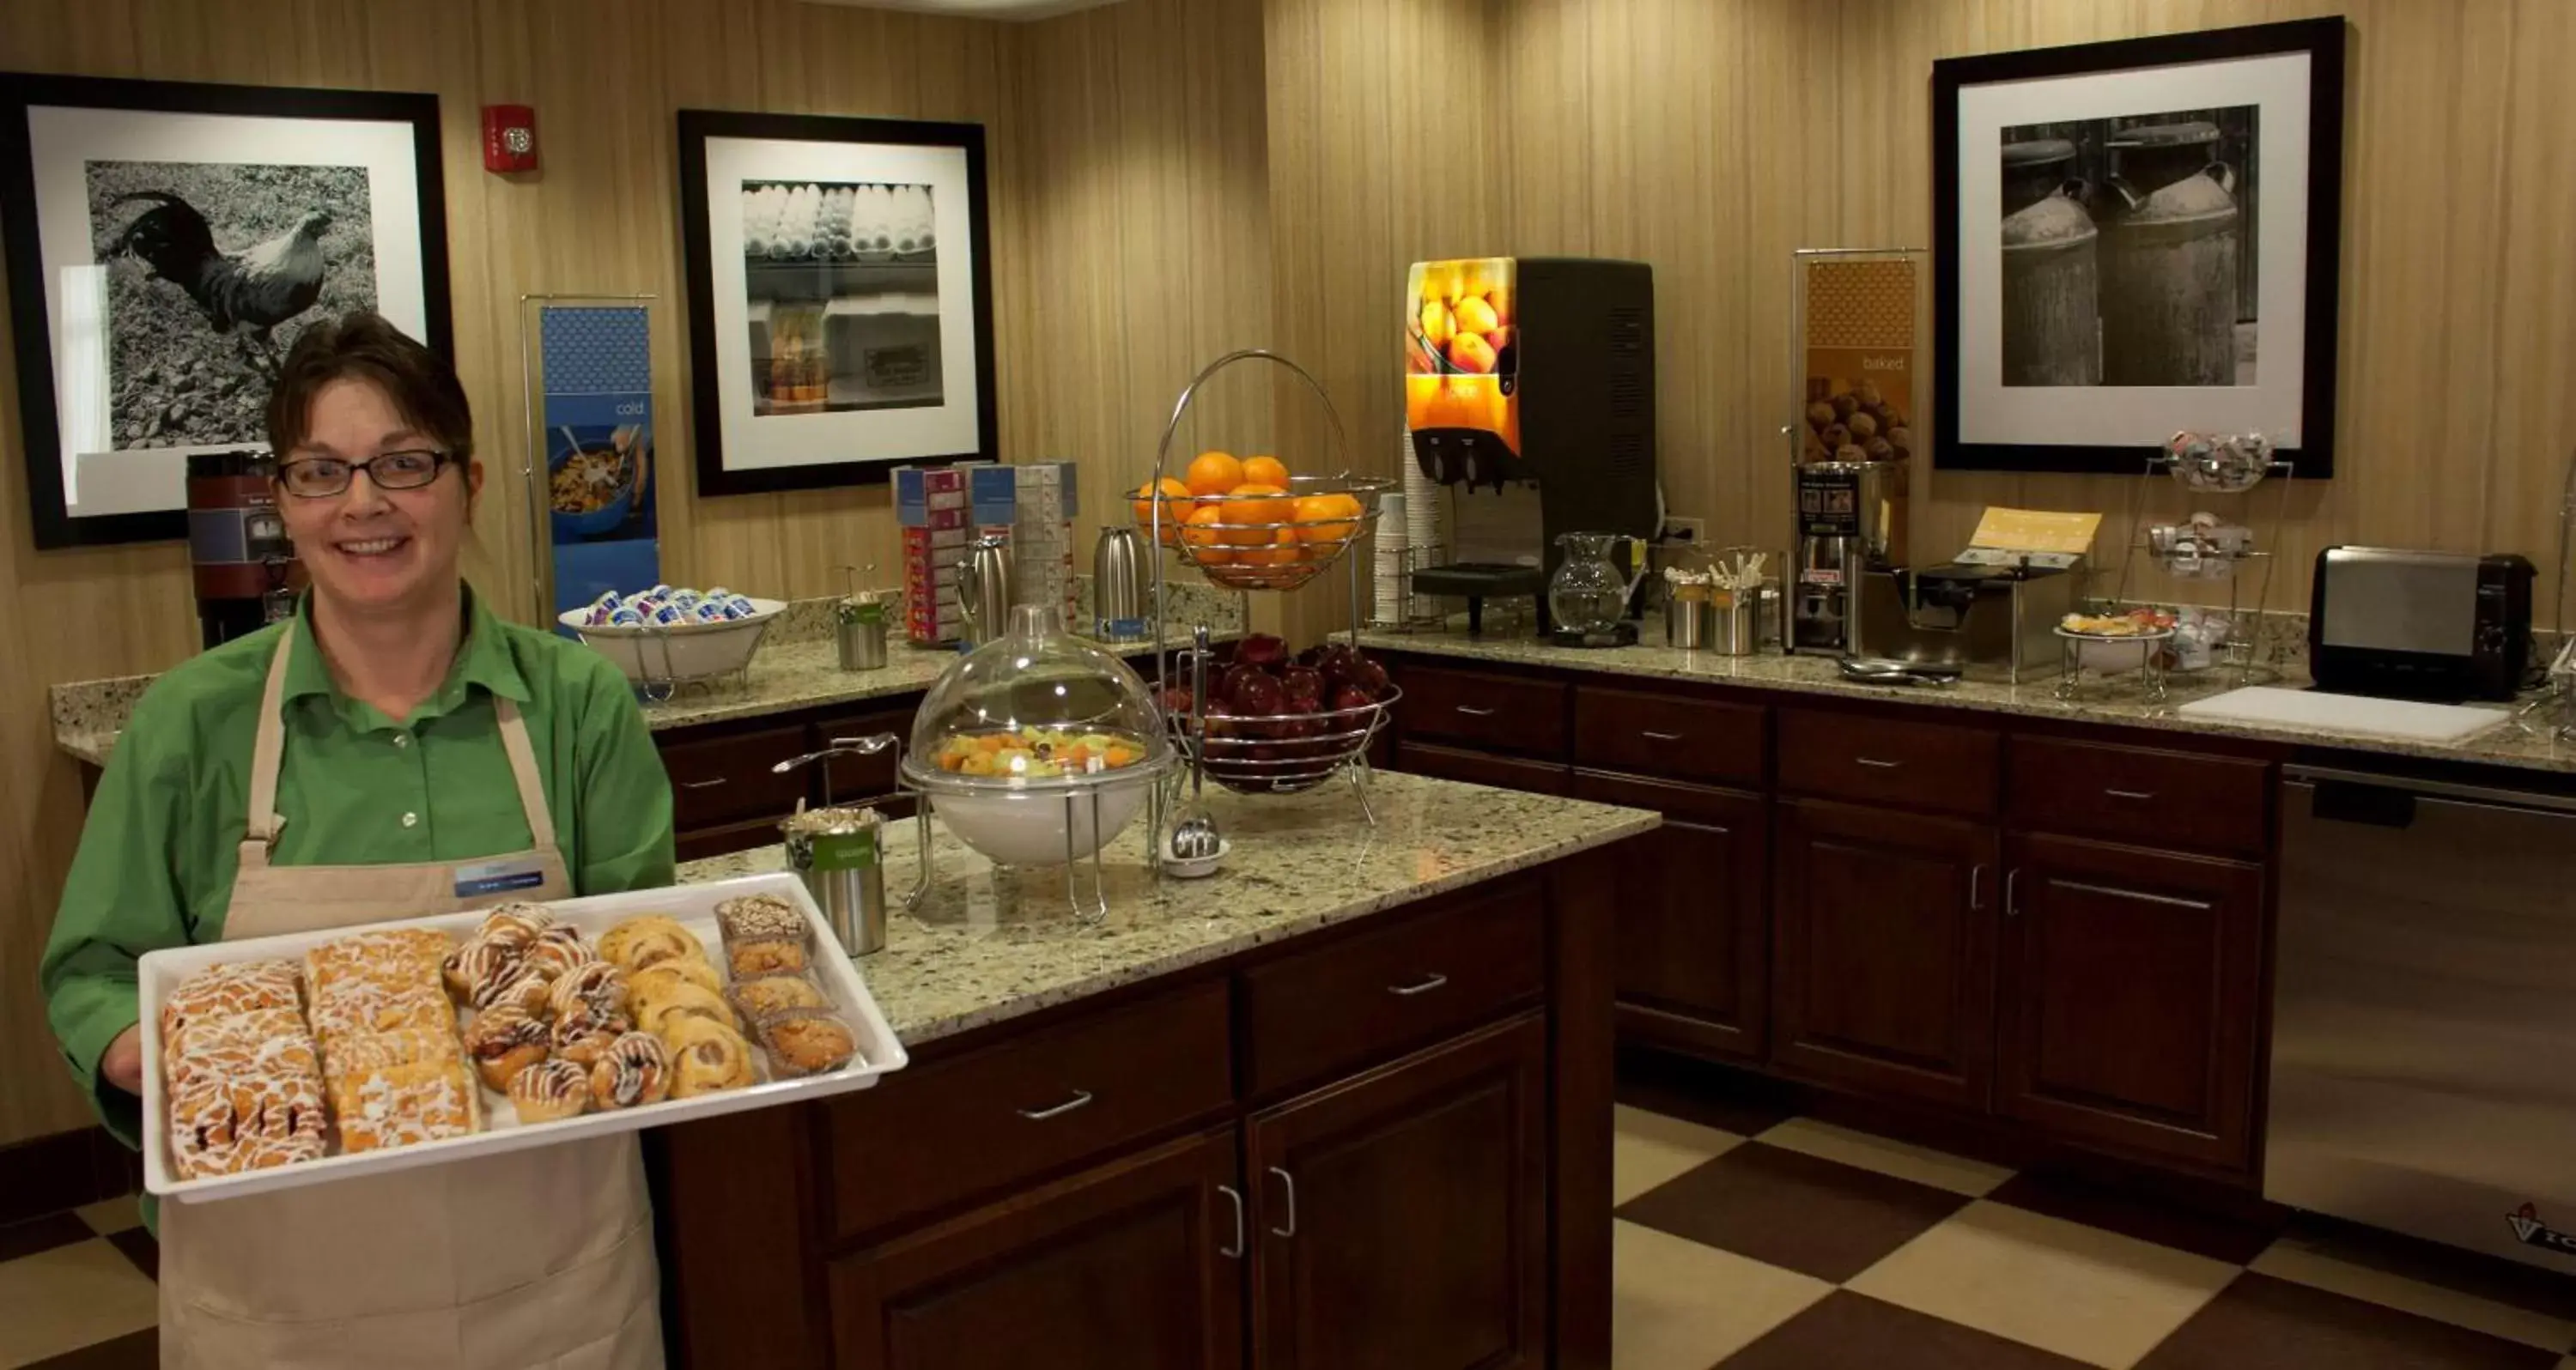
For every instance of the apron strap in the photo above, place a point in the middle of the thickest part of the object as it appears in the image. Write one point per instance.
(268, 748)
(523, 769)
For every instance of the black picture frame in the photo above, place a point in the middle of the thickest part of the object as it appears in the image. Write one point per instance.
(39, 421)
(2323, 40)
(706, 416)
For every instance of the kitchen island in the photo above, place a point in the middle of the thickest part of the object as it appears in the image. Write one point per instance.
(1346, 1101)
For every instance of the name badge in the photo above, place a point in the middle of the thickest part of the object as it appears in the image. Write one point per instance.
(499, 877)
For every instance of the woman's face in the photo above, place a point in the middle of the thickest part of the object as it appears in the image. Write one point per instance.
(369, 547)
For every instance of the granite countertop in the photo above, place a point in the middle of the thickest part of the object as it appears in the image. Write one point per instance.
(2115, 701)
(989, 944)
(796, 668)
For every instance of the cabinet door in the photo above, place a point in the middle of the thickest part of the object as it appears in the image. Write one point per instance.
(1482, 768)
(1134, 1266)
(2131, 984)
(1884, 951)
(1694, 929)
(1400, 1218)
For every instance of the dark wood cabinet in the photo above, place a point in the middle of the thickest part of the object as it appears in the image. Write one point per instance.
(1694, 926)
(2131, 988)
(1400, 1219)
(1482, 768)
(1884, 951)
(1507, 713)
(1134, 1266)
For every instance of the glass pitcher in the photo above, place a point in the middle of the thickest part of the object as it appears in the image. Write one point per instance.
(1588, 594)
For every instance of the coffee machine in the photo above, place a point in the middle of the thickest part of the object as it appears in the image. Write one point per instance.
(1530, 399)
(1851, 522)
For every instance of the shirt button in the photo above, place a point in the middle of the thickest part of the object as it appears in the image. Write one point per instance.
(410, 819)
(402, 739)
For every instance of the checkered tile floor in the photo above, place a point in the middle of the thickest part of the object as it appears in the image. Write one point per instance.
(1752, 1240)
(1749, 1240)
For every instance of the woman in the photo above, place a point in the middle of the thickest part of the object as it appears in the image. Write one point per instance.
(395, 749)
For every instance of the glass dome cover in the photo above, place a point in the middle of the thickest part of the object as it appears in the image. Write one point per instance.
(1033, 711)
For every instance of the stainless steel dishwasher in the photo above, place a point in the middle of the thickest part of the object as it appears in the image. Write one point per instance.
(2424, 1015)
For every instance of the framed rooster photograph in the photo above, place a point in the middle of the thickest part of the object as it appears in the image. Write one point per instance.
(840, 297)
(166, 244)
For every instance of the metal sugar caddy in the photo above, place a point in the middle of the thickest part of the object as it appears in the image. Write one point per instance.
(1036, 749)
(861, 624)
(838, 850)
(1309, 748)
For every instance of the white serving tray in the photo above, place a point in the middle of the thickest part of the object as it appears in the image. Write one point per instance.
(695, 908)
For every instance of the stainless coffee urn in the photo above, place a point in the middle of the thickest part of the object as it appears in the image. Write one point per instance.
(2168, 259)
(2051, 327)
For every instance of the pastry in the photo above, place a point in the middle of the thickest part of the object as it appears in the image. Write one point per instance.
(394, 957)
(758, 916)
(513, 927)
(352, 1053)
(772, 994)
(761, 956)
(634, 1070)
(707, 1056)
(358, 1007)
(807, 1042)
(654, 1014)
(593, 994)
(403, 1104)
(557, 950)
(246, 1122)
(504, 1041)
(521, 986)
(694, 970)
(261, 1039)
(229, 991)
(476, 963)
(582, 1041)
(549, 1090)
(639, 943)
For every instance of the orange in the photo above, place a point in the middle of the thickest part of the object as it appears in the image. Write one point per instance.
(1245, 504)
(1282, 550)
(1265, 471)
(1175, 504)
(1208, 546)
(1327, 518)
(1213, 473)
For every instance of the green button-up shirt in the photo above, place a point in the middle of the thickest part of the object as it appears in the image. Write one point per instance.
(157, 858)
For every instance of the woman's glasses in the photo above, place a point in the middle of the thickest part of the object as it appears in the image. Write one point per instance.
(315, 477)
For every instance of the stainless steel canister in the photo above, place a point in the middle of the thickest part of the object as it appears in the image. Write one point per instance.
(838, 851)
(861, 628)
(1735, 622)
(1687, 621)
(1118, 585)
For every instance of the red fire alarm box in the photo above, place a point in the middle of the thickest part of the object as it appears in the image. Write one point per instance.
(509, 138)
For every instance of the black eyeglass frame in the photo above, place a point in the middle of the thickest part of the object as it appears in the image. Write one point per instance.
(439, 461)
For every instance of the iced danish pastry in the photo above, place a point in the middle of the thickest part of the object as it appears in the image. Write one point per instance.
(706, 1057)
(641, 943)
(404, 1104)
(633, 1070)
(225, 1126)
(346, 1007)
(549, 1090)
(396, 957)
(504, 1041)
(230, 991)
(355, 1053)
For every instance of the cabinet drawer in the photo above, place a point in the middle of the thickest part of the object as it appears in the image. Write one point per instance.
(2139, 795)
(1509, 713)
(719, 780)
(1483, 768)
(936, 1134)
(1333, 1009)
(1667, 735)
(1867, 760)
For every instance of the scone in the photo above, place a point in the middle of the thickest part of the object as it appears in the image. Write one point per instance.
(759, 956)
(805, 1042)
(774, 994)
(707, 1056)
(505, 1041)
(641, 943)
(549, 1090)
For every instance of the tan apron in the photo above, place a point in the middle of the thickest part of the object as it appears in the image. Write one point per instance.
(541, 1257)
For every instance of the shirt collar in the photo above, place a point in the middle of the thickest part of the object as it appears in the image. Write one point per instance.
(483, 658)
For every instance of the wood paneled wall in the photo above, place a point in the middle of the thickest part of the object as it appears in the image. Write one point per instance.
(1128, 201)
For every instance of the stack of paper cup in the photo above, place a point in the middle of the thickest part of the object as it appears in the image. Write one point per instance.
(1388, 583)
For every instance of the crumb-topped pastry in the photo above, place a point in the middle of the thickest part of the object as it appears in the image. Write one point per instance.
(759, 916)
(549, 1090)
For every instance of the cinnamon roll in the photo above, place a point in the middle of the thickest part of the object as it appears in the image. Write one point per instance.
(633, 1070)
(515, 926)
(549, 1090)
(655, 1013)
(595, 993)
(557, 950)
(475, 963)
(640, 943)
(519, 986)
(692, 970)
(707, 1056)
(504, 1041)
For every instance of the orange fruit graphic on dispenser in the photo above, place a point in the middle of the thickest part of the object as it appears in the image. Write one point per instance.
(1462, 358)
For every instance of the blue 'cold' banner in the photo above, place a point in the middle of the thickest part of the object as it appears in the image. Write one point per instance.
(600, 470)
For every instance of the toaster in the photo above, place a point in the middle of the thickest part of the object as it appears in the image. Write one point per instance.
(2420, 625)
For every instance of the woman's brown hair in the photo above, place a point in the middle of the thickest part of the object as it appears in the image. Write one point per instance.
(360, 345)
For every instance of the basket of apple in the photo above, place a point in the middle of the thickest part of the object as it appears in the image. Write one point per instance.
(1277, 724)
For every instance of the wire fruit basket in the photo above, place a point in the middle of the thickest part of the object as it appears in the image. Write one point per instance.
(1278, 753)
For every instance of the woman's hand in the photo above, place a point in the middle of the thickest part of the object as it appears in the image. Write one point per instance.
(122, 1063)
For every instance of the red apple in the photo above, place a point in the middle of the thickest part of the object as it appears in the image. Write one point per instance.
(1261, 649)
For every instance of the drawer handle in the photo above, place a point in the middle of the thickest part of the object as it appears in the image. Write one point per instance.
(1234, 1252)
(1472, 711)
(2012, 893)
(2140, 795)
(1977, 887)
(1080, 1097)
(1877, 765)
(1652, 736)
(2141, 896)
(1425, 985)
(703, 784)
(1290, 1183)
